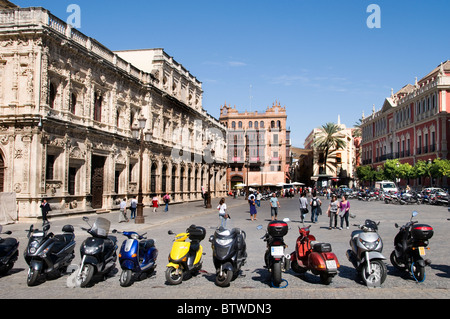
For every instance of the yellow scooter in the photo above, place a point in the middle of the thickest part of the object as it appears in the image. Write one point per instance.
(185, 258)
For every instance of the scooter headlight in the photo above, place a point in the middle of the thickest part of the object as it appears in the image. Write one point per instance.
(91, 250)
(370, 245)
(224, 242)
(33, 247)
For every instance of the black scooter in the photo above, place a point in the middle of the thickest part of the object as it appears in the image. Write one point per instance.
(9, 251)
(409, 248)
(276, 261)
(48, 253)
(98, 253)
(229, 254)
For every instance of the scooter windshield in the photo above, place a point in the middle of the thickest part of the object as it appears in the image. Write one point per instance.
(100, 227)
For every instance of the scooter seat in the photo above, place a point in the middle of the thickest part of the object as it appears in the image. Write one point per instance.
(322, 248)
(6, 245)
(146, 244)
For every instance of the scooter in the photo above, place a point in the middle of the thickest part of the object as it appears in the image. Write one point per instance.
(229, 254)
(409, 248)
(314, 256)
(365, 254)
(48, 253)
(185, 258)
(9, 252)
(275, 259)
(98, 252)
(137, 255)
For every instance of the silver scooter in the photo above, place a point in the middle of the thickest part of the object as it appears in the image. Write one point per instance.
(365, 254)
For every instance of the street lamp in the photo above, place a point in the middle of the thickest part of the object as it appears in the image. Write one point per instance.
(208, 198)
(138, 133)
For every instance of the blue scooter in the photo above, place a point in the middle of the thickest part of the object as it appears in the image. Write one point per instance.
(137, 255)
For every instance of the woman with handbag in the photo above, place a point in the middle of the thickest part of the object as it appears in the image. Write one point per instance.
(223, 216)
(303, 206)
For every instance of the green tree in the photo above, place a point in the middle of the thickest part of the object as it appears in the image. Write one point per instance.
(330, 139)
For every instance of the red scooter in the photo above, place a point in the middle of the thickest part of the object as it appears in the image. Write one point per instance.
(314, 256)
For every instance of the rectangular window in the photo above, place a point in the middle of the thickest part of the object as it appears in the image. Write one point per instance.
(50, 167)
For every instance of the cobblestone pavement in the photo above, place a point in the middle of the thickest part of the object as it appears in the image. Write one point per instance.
(254, 281)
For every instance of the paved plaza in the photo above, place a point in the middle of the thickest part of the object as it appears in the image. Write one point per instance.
(254, 281)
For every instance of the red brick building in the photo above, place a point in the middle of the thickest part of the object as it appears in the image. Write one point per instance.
(413, 124)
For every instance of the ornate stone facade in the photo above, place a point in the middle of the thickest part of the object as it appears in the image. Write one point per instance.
(67, 108)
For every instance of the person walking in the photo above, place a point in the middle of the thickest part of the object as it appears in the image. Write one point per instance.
(223, 215)
(166, 199)
(303, 206)
(123, 211)
(315, 204)
(133, 206)
(258, 198)
(344, 208)
(252, 203)
(333, 211)
(45, 208)
(274, 205)
(155, 203)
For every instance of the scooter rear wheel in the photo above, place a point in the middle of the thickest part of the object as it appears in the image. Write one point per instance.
(276, 274)
(174, 276)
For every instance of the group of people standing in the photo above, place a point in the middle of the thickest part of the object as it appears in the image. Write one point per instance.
(335, 209)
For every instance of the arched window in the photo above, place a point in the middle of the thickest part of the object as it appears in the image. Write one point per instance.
(98, 99)
(163, 179)
(52, 96)
(153, 178)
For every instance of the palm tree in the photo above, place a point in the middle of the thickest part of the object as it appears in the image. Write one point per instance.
(330, 139)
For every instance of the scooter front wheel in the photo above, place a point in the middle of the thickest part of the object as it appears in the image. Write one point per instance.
(224, 279)
(32, 277)
(174, 276)
(377, 276)
(86, 275)
(125, 278)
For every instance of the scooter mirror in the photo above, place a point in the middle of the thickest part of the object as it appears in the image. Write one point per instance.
(396, 225)
(114, 231)
(8, 232)
(415, 213)
(85, 218)
(259, 227)
(170, 232)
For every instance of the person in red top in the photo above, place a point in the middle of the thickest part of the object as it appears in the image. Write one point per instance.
(155, 203)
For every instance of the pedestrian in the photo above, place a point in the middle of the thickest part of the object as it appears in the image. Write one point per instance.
(45, 208)
(315, 204)
(155, 203)
(223, 215)
(274, 204)
(258, 198)
(166, 199)
(123, 211)
(344, 208)
(205, 198)
(303, 206)
(333, 211)
(133, 206)
(252, 203)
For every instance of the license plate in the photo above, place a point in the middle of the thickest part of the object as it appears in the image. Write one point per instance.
(422, 251)
(331, 264)
(277, 251)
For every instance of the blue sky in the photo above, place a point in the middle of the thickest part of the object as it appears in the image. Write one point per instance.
(317, 58)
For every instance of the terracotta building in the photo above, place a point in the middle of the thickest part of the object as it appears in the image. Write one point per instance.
(413, 124)
(258, 146)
